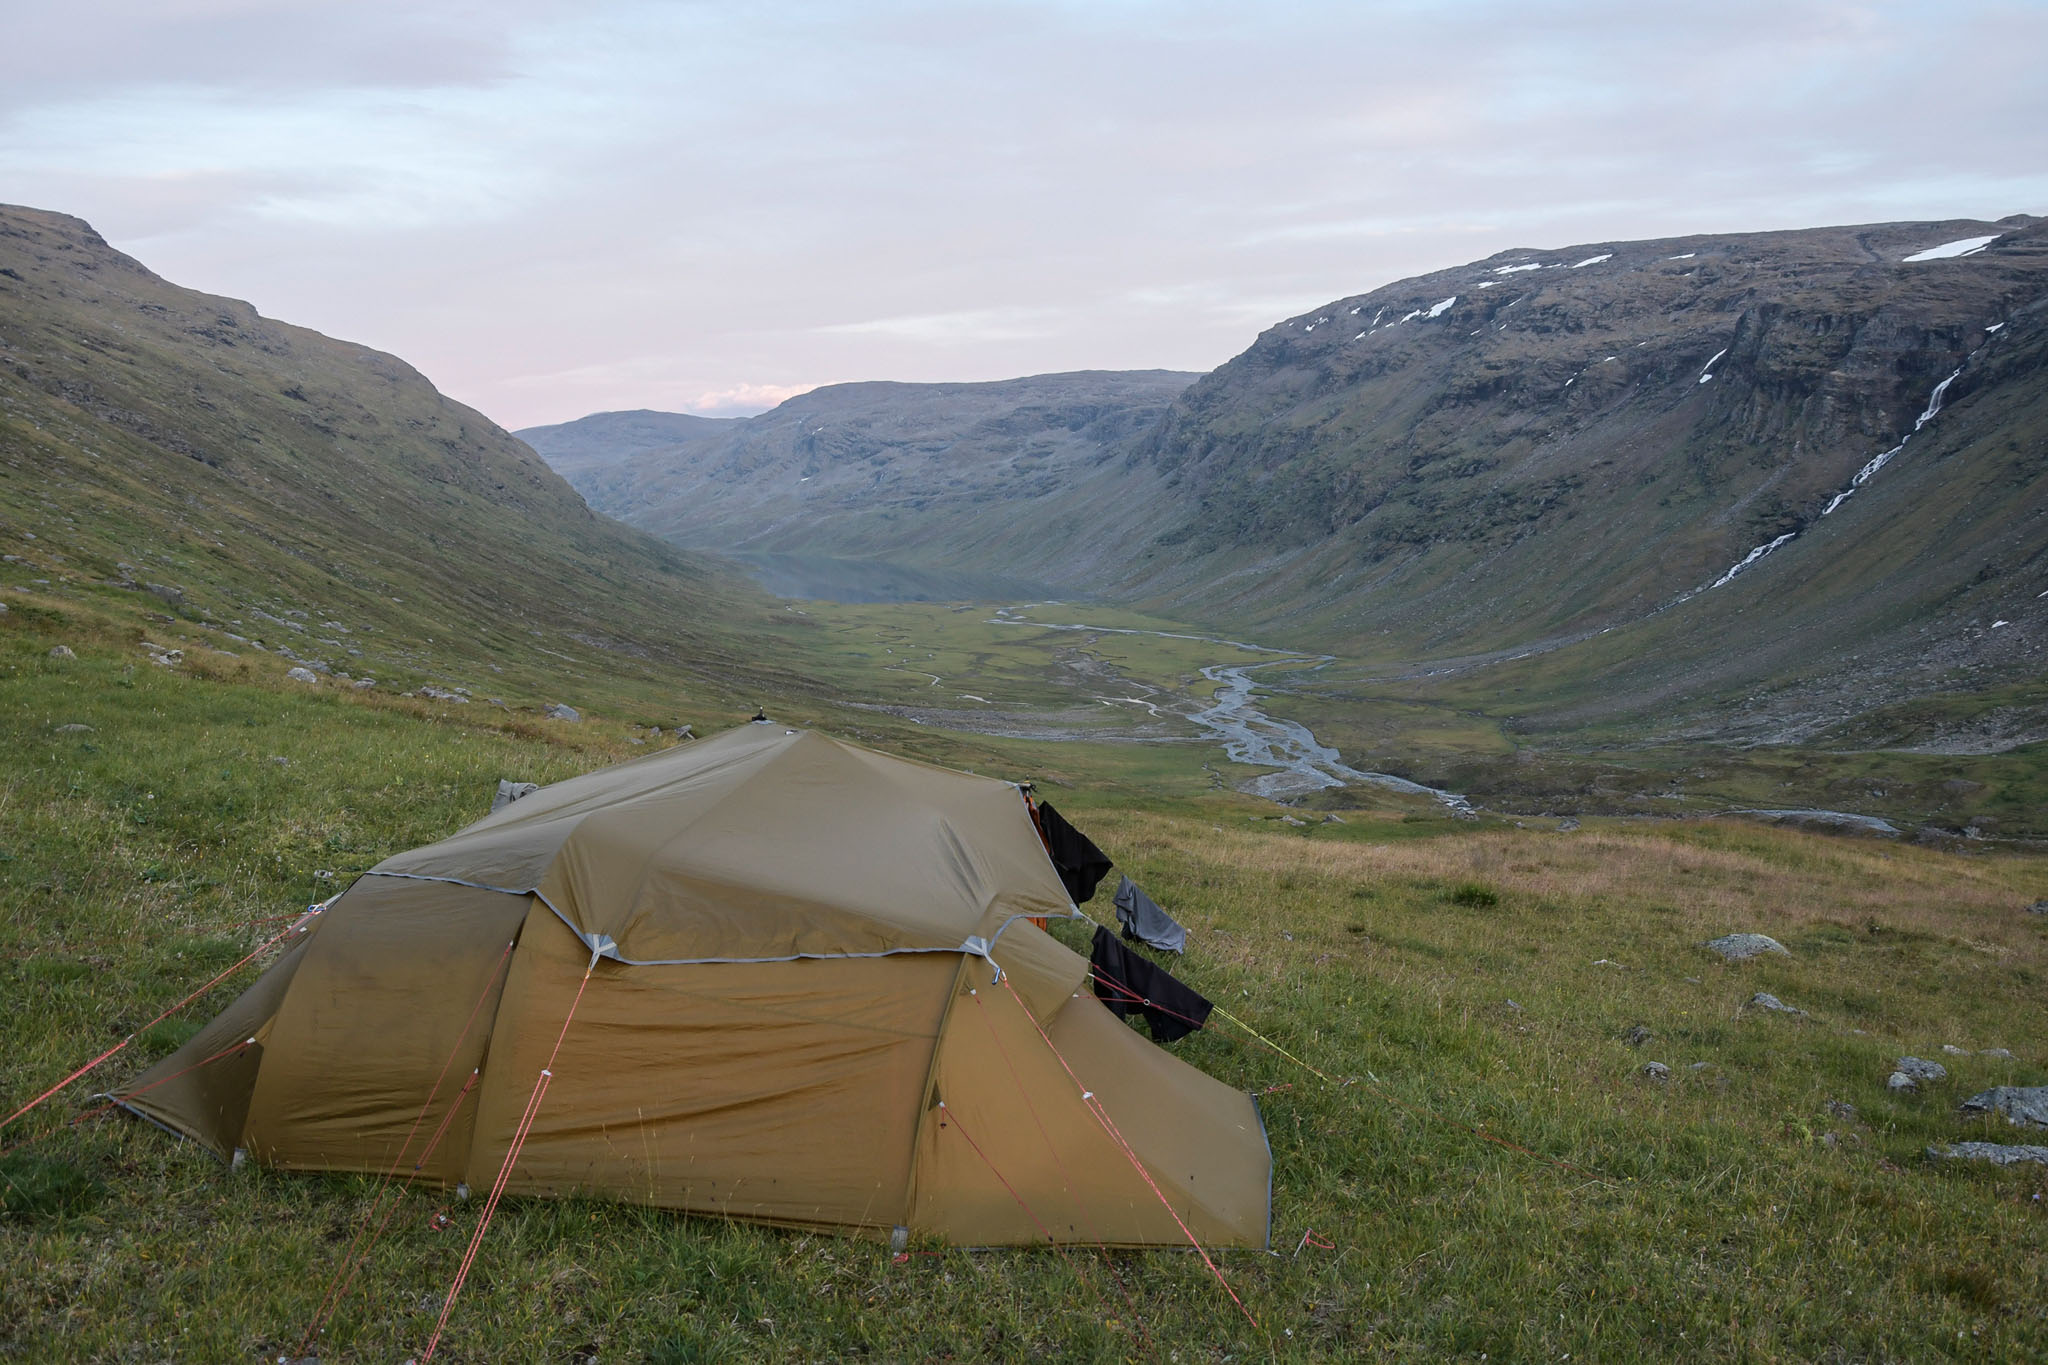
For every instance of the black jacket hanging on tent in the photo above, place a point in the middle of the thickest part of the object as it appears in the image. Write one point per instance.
(1081, 864)
(1145, 921)
(1126, 981)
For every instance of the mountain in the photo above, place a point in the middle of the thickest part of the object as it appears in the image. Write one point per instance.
(585, 450)
(277, 486)
(933, 489)
(1556, 454)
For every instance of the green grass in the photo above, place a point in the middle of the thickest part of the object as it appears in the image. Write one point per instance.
(1726, 1214)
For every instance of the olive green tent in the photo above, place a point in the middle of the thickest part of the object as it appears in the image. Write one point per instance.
(792, 980)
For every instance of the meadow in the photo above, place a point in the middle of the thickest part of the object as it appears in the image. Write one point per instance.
(1482, 1170)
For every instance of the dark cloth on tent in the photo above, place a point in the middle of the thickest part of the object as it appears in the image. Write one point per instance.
(1145, 921)
(1081, 864)
(1172, 1009)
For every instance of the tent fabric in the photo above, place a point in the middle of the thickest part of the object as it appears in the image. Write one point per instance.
(1143, 920)
(807, 983)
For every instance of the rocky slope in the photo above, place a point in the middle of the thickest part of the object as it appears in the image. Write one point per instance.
(1551, 454)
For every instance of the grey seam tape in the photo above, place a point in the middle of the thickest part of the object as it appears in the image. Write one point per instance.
(973, 946)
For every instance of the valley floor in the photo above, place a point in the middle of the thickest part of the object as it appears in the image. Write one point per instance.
(1487, 1171)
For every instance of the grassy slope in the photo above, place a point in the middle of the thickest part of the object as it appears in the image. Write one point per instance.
(271, 480)
(1716, 1220)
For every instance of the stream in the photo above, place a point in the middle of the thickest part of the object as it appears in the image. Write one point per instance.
(1249, 736)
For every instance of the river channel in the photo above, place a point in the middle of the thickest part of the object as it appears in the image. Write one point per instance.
(1248, 735)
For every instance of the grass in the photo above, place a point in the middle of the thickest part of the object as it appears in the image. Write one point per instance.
(1725, 1214)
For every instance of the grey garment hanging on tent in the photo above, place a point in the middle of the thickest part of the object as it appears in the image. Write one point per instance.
(1145, 921)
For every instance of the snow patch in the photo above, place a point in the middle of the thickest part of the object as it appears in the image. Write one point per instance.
(1707, 370)
(1593, 260)
(1686, 256)
(1517, 269)
(1996, 624)
(1489, 284)
(1994, 327)
(1962, 246)
(1437, 310)
(1416, 314)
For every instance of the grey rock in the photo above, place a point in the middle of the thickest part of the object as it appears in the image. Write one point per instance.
(685, 732)
(1996, 1052)
(1840, 1109)
(360, 684)
(557, 711)
(1637, 1036)
(303, 675)
(1920, 1069)
(1900, 1081)
(1764, 1000)
(1952, 1050)
(61, 652)
(1292, 821)
(2020, 1104)
(74, 729)
(442, 694)
(280, 760)
(1699, 1066)
(3, 608)
(1655, 1071)
(1567, 825)
(1998, 1154)
(2038, 908)
(1515, 1007)
(1741, 947)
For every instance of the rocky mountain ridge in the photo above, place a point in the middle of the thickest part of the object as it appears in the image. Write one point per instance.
(1753, 483)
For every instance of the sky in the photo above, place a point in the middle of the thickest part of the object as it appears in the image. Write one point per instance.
(555, 209)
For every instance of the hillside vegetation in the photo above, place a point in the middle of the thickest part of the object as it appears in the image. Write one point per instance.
(259, 489)
(1444, 976)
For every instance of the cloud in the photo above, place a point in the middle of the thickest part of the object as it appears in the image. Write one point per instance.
(978, 325)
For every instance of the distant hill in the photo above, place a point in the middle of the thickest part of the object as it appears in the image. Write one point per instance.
(588, 448)
(311, 494)
(905, 478)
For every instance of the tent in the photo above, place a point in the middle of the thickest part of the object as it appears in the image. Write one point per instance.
(784, 978)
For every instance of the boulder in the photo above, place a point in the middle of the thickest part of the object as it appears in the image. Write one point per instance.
(1637, 1036)
(61, 652)
(1996, 1052)
(1764, 1000)
(1920, 1069)
(557, 711)
(362, 684)
(75, 728)
(303, 675)
(1655, 1071)
(1997, 1153)
(1952, 1050)
(2038, 908)
(1742, 947)
(2021, 1104)
(1900, 1082)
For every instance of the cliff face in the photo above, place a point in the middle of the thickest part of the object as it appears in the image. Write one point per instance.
(1548, 440)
